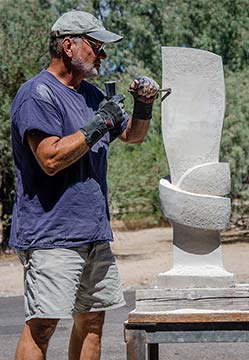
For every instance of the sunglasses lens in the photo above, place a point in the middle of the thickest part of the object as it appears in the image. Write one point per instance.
(96, 48)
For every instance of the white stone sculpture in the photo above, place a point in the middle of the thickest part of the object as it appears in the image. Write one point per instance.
(192, 121)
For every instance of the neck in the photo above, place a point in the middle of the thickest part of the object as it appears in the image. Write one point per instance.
(64, 74)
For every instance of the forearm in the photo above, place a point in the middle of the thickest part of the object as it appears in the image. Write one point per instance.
(55, 154)
(136, 131)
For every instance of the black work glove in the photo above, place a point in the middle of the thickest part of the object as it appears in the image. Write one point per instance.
(145, 91)
(109, 115)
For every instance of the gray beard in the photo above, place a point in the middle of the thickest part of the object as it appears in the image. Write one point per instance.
(86, 69)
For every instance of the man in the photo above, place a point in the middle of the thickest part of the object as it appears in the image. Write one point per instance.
(61, 128)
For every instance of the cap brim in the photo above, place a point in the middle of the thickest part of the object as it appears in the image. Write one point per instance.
(105, 36)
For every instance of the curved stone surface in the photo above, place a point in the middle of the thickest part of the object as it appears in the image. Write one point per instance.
(192, 116)
(199, 211)
(208, 179)
(192, 121)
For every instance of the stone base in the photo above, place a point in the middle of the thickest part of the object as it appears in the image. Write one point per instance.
(203, 277)
(193, 300)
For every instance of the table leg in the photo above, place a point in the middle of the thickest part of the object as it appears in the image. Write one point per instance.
(135, 344)
(153, 352)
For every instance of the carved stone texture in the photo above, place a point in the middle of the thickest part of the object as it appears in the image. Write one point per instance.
(192, 121)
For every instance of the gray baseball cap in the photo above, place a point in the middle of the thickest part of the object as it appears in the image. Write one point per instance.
(77, 22)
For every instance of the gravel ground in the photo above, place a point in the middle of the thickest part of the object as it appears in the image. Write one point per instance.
(140, 255)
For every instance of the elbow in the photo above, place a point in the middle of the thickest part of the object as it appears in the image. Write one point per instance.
(50, 172)
(50, 167)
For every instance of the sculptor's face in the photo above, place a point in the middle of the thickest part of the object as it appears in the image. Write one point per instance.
(87, 57)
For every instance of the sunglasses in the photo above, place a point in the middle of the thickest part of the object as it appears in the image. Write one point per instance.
(97, 48)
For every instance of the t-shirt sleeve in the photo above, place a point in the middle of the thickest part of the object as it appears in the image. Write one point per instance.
(39, 115)
(114, 133)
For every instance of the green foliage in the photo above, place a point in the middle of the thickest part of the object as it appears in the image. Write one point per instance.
(218, 26)
(23, 46)
(134, 171)
(235, 139)
(24, 32)
(61, 6)
(221, 27)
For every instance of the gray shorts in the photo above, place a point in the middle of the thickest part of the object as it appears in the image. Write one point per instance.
(59, 283)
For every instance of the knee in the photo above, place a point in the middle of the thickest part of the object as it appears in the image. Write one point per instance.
(42, 329)
(91, 322)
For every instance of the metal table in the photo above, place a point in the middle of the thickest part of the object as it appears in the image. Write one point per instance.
(144, 332)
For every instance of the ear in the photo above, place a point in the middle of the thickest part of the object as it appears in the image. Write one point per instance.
(67, 45)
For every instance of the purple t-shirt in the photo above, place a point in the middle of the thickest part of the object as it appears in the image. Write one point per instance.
(70, 208)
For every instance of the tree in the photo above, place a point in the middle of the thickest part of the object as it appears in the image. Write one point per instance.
(235, 142)
(24, 35)
(218, 26)
(24, 51)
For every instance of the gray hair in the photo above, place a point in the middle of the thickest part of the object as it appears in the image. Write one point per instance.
(55, 45)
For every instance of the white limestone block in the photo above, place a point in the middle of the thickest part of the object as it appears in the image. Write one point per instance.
(196, 277)
(208, 179)
(192, 116)
(192, 121)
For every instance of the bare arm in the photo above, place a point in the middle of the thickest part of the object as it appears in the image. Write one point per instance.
(54, 153)
(135, 132)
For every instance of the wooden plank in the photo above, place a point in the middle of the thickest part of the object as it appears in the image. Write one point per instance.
(201, 304)
(192, 293)
(136, 317)
(228, 299)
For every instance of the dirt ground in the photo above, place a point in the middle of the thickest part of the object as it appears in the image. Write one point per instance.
(140, 255)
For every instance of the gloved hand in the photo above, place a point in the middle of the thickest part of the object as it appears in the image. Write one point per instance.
(145, 91)
(109, 115)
